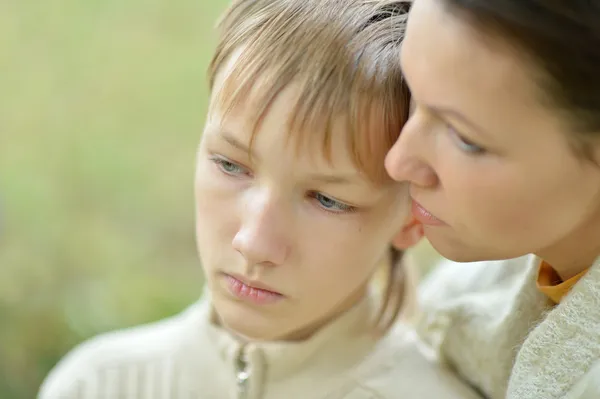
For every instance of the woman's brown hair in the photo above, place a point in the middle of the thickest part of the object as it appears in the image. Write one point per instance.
(561, 39)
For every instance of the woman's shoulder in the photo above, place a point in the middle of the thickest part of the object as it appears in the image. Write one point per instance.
(457, 290)
(475, 314)
(588, 387)
(449, 279)
(402, 365)
(110, 356)
(409, 361)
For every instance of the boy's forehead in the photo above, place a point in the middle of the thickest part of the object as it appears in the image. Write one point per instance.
(319, 134)
(306, 159)
(296, 165)
(322, 136)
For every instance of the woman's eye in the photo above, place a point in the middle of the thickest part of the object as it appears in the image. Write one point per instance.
(228, 167)
(466, 145)
(332, 205)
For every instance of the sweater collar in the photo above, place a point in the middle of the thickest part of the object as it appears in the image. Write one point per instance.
(563, 346)
(345, 340)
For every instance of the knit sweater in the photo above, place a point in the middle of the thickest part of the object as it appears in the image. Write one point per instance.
(190, 357)
(503, 336)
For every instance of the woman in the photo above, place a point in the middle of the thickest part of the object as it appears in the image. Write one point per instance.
(502, 152)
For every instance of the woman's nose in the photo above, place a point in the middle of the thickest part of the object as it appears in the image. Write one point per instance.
(407, 159)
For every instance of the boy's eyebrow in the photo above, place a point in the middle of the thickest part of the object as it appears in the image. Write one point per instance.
(334, 179)
(341, 179)
(321, 177)
(234, 142)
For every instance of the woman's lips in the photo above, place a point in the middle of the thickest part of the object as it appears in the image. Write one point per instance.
(424, 216)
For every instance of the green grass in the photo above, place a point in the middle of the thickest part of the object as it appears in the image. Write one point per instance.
(101, 108)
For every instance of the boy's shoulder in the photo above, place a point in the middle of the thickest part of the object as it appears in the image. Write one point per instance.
(102, 358)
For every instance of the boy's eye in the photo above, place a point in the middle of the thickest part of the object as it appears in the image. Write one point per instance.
(228, 167)
(332, 205)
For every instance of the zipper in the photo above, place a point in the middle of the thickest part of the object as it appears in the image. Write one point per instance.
(242, 374)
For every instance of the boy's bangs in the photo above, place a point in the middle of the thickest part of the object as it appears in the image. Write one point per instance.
(369, 110)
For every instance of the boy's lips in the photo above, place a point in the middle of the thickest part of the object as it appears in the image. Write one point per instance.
(424, 216)
(251, 291)
(253, 283)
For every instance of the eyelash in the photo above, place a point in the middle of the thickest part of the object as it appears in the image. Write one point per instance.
(223, 163)
(335, 206)
(465, 145)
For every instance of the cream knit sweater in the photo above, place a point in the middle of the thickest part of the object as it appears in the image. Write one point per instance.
(489, 321)
(189, 357)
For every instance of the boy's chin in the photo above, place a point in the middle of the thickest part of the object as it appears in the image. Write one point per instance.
(246, 326)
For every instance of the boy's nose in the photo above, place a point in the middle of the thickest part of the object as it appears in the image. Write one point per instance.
(261, 236)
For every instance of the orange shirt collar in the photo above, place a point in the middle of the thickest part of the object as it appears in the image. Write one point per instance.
(550, 284)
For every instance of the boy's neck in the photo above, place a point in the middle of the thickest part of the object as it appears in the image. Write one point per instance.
(308, 331)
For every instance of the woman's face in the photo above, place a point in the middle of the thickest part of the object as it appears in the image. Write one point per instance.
(492, 172)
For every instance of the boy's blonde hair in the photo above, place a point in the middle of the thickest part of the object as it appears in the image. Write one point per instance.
(343, 57)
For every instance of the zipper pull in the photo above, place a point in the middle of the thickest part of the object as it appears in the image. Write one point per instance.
(242, 374)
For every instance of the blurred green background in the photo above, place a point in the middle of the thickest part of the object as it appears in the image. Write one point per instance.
(101, 107)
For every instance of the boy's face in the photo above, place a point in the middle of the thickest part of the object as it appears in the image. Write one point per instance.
(308, 232)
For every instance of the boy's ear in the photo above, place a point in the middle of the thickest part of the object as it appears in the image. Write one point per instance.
(410, 235)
